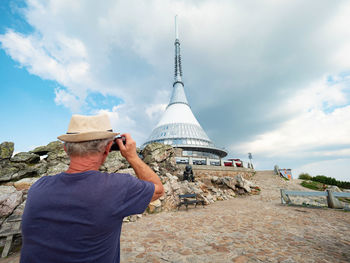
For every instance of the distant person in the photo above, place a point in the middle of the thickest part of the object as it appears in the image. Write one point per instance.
(77, 215)
(188, 174)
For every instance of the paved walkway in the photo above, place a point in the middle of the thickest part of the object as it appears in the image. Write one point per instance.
(244, 229)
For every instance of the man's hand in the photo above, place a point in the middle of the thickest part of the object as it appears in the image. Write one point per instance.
(128, 151)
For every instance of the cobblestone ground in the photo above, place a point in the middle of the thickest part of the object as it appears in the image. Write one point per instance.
(244, 229)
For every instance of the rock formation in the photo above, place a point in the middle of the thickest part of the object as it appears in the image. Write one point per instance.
(19, 172)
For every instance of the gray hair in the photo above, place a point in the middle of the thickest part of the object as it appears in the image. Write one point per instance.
(85, 148)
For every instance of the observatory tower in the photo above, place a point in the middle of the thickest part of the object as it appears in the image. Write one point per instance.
(178, 126)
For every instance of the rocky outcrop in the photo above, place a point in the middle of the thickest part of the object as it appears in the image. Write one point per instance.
(6, 150)
(19, 172)
(10, 198)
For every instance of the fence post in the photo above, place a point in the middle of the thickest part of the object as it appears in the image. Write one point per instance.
(332, 201)
(284, 198)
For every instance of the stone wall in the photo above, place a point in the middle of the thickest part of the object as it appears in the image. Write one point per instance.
(204, 171)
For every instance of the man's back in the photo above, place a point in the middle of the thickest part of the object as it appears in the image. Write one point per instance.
(78, 217)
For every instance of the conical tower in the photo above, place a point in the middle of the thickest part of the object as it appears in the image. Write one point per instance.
(178, 126)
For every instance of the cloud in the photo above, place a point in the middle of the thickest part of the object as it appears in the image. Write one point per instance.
(267, 76)
(155, 111)
(67, 99)
(320, 121)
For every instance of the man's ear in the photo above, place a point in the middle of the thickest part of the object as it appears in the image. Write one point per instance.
(64, 147)
(108, 147)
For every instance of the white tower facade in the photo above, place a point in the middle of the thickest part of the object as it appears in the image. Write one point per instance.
(178, 126)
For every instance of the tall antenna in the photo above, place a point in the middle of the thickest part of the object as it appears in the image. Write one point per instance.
(176, 29)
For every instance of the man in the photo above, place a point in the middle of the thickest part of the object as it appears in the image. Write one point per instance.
(76, 216)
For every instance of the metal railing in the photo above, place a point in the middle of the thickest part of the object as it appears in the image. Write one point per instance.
(332, 196)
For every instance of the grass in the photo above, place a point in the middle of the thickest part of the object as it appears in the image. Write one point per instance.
(313, 185)
(346, 200)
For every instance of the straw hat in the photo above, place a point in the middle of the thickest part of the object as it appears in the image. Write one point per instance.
(87, 128)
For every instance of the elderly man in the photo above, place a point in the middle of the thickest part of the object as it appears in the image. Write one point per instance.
(76, 216)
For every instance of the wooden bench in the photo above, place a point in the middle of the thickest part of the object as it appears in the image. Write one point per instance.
(189, 199)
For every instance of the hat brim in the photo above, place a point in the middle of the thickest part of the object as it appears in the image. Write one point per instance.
(87, 136)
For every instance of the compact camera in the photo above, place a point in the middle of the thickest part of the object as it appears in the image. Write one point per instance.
(115, 146)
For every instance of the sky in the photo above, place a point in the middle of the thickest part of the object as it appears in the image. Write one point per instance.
(262, 76)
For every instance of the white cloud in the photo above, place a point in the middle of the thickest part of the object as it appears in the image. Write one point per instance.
(62, 60)
(67, 99)
(155, 111)
(311, 127)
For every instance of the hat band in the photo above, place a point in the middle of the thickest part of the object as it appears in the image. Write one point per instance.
(79, 132)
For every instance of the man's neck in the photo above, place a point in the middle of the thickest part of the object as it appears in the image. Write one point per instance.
(79, 164)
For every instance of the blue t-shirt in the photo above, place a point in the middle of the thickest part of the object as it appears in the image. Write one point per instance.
(78, 217)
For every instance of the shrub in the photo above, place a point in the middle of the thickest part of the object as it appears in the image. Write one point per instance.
(313, 185)
(331, 181)
(305, 176)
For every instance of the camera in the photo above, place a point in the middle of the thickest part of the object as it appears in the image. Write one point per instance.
(115, 146)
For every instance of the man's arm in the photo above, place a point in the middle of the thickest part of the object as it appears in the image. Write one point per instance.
(142, 170)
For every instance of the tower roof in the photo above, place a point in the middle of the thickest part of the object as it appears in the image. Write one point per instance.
(178, 125)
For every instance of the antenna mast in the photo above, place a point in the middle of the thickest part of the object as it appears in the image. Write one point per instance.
(176, 29)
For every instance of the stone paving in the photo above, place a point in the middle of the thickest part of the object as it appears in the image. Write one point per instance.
(244, 229)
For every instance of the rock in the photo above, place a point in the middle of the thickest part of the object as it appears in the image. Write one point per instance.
(24, 170)
(243, 183)
(8, 225)
(55, 146)
(156, 152)
(41, 168)
(114, 162)
(25, 184)
(7, 171)
(58, 168)
(215, 179)
(30, 158)
(15, 171)
(60, 156)
(229, 182)
(333, 188)
(154, 207)
(6, 150)
(10, 198)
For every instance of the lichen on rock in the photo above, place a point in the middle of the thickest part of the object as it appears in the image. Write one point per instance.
(6, 150)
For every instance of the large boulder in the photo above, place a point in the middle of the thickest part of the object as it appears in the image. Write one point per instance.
(157, 153)
(10, 171)
(243, 183)
(55, 146)
(7, 171)
(30, 158)
(6, 150)
(57, 155)
(114, 162)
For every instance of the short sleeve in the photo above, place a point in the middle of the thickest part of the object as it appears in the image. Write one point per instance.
(138, 196)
